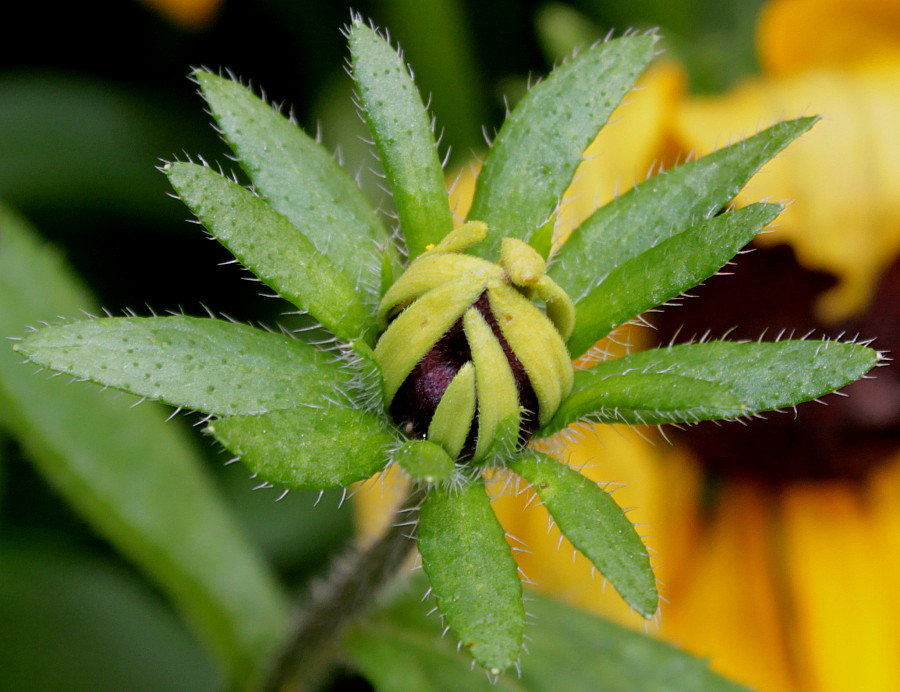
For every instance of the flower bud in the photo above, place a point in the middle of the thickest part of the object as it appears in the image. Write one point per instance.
(468, 360)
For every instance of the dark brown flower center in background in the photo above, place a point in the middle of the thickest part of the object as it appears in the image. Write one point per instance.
(417, 398)
(843, 440)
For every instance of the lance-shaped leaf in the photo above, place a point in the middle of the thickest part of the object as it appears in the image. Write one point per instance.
(299, 178)
(402, 133)
(639, 398)
(707, 381)
(589, 517)
(473, 573)
(202, 364)
(400, 649)
(329, 447)
(665, 271)
(270, 246)
(425, 461)
(542, 142)
(662, 207)
(134, 478)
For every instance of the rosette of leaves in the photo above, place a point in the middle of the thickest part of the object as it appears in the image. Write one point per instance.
(452, 347)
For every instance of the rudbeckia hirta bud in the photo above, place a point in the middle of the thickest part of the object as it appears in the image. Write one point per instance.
(469, 361)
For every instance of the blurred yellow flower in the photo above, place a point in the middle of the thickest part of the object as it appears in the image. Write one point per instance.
(845, 176)
(776, 544)
(798, 35)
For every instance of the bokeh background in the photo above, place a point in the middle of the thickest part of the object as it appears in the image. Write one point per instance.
(93, 97)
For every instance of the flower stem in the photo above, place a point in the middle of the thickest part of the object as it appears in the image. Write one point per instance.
(356, 578)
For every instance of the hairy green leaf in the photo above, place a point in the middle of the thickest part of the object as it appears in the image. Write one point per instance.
(203, 364)
(136, 480)
(400, 649)
(640, 398)
(662, 207)
(401, 129)
(757, 376)
(542, 142)
(589, 517)
(473, 573)
(438, 39)
(570, 644)
(300, 179)
(270, 246)
(325, 447)
(665, 271)
(424, 460)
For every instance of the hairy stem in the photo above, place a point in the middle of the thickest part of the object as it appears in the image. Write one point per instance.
(355, 579)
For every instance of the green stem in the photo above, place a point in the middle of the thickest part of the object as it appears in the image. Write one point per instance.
(355, 580)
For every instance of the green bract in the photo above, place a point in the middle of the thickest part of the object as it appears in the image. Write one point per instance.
(447, 362)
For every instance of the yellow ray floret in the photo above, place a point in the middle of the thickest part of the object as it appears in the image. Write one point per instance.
(498, 398)
(537, 344)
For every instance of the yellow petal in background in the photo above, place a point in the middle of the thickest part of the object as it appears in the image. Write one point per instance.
(846, 632)
(795, 35)
(723, 602)
(376, 500)
(843, 177)
(461, 190)
(882, 497)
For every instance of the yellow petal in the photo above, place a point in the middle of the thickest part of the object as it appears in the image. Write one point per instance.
(883, 498)
(461, 190)
(461, 238)
(420, 326)
(376, 500)
(522, 262)
(498, 397)
(628, 338)
(843, 177)
(796, 35)
(428, 272)
(453, 416)
(846, 632)
(537, 344)
(559, 306)
(723, 603)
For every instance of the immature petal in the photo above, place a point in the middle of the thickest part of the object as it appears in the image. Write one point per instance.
(459, 326)
(498, 397)
(455, 413)
(537, 344)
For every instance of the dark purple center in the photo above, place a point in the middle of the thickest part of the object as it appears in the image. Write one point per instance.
(417, 398)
